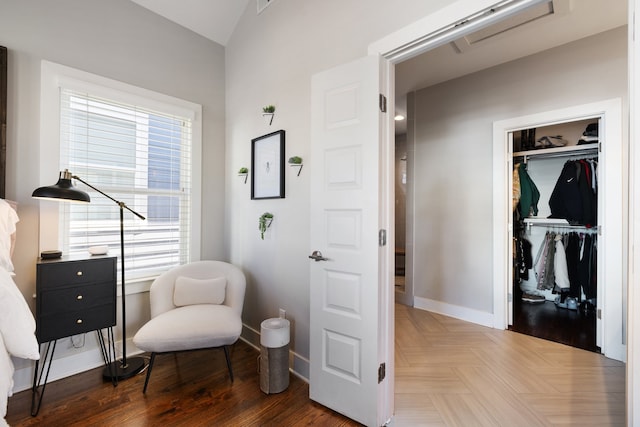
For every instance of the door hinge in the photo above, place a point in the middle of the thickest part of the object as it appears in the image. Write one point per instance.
(382, 237)
(382, 372)
(383, 103)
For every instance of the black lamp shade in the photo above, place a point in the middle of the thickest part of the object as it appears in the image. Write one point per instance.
(63, 189)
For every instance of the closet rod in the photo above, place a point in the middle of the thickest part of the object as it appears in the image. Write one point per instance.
(590, 230)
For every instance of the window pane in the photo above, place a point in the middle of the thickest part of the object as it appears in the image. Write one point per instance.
(137, 157)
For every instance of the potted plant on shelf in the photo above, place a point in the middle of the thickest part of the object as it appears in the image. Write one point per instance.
(268, 112)
(243, 172)
(296, 161)
(264, 222)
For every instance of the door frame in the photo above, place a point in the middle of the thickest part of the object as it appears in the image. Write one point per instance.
(610, 298)
(409, 41)
(633, 296)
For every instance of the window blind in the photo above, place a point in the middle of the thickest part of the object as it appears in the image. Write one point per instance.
(138, 156)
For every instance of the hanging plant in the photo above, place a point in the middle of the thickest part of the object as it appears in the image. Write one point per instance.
(264, 222)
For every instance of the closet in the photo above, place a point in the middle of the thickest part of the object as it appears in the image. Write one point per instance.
(555, 232)
(544, 165)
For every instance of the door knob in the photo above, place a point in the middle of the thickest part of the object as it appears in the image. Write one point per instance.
(317, 256)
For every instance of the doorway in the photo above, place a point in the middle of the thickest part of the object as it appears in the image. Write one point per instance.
(447, 63)
(495, 321)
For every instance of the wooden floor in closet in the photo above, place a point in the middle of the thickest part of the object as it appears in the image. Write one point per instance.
(576, 328)
(448, 373)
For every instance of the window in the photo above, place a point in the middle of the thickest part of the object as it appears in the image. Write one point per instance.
(140, 152)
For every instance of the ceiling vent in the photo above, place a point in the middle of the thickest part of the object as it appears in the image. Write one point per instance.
(540, 11)
(262, 4)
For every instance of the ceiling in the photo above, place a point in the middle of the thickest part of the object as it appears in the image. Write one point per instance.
(570, 20)
(213, 19)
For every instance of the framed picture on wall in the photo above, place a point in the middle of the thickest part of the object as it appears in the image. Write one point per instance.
(267, 166)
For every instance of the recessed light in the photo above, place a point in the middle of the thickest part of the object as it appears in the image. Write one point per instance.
(399, 117)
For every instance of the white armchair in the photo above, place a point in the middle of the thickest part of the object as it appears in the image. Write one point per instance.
(194, 306)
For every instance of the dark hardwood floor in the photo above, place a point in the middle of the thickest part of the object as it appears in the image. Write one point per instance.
(186, 389)
(570, 327)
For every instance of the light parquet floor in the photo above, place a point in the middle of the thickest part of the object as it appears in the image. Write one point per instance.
(454, 373)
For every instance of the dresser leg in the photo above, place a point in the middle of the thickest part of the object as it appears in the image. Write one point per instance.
(108, 354)
(37, 395)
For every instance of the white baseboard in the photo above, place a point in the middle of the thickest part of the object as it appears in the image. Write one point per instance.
(66, 366)
(455, 311)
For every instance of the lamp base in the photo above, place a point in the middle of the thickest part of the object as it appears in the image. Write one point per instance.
(116, 370)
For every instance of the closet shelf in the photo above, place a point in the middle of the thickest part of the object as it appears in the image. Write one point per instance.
(569, 150)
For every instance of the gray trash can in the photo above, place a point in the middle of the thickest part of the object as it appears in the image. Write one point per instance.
(274, 355)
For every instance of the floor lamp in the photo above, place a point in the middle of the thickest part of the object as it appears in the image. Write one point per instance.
(64, 190)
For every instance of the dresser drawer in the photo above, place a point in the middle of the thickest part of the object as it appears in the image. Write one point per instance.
(54, 326)
(76, 298)
(75, 272)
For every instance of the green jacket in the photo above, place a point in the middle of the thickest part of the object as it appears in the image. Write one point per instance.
(529, 194)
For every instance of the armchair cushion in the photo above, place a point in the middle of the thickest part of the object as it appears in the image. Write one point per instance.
(168, 332)
(189, 291)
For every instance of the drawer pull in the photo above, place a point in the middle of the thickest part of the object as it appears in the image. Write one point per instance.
(79, 297)
(79, 273)
(79, 321)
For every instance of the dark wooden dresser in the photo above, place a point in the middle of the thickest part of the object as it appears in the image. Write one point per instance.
(73, 296)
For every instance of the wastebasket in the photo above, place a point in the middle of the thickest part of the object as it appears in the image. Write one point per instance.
(274, 355)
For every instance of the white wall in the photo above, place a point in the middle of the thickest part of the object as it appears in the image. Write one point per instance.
(453, 155)
(123, 41)
(270, 60)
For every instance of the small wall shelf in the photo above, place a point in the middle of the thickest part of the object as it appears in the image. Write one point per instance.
(268, 117)
(299, 166)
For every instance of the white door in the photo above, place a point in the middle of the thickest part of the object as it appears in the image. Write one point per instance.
(344, 296)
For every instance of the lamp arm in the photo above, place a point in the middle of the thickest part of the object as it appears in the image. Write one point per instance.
(121, 204)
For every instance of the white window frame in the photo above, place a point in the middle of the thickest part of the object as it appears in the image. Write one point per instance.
(53, 76)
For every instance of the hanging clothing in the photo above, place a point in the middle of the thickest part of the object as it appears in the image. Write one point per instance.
(544, 263)
(515, 189)
(529, 194)
(574, 196)
(587, 267)
(523, 261)
(586, 193)
(560, 270)
(565, 201)
(572, 248)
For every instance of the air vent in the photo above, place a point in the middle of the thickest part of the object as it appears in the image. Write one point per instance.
(262, 4)
(543, 10)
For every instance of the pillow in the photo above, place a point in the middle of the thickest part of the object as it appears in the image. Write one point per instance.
(8, 220)
(17, 325)
(188, 291)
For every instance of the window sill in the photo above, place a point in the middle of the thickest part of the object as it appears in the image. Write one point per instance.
(136, 286)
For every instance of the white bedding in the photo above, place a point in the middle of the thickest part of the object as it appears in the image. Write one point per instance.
(17, 325)
(17, 334)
